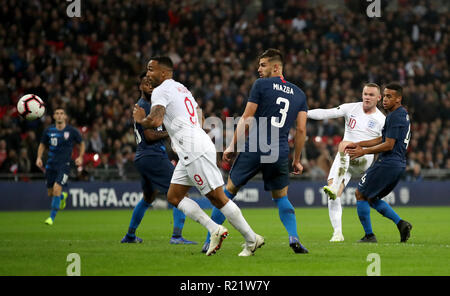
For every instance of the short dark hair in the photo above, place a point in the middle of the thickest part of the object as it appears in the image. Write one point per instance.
(143, 74)
(59, 107)
(395, 86)
(371, 84)
(163, 60)
(272, 54)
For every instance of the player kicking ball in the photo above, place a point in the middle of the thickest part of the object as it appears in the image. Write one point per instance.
(155, 169)
(174, 105)
(382, 177)
(363, 121)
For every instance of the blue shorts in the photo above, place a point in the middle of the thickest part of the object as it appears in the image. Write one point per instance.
(248, 164)
(60, 175)
(379, 181)
(156, 173)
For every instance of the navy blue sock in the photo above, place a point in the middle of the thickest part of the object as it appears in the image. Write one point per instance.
(136, 218)
(217, 215)
(363, 209)
(287, 215)
(386, 210)
(56, 200)
(178, 222)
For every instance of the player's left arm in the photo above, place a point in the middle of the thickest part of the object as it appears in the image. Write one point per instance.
(243, 126)
(152, 135)
(79, 159)
(359, 151)
(153, 120)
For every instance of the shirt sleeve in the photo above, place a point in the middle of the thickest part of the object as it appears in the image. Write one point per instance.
(255, 92)
(77, 135)
(320, 114)
(395, 127)
(303, 105)
(45, 138)
(160, 97)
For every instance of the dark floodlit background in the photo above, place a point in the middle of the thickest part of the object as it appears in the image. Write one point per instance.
(91, 66)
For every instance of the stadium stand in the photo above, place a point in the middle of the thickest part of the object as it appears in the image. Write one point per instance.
(91, 66)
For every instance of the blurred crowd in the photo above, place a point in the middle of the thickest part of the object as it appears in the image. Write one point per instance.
(91, 66)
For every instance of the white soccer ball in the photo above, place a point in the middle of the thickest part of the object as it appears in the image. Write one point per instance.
(31, 107)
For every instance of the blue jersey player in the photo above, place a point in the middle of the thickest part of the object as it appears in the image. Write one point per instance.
(155, 169)
(60, 139)
(382, 177)
(273, 106)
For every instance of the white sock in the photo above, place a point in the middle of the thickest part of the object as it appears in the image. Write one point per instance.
(234, 215)
(335, 212)
(344, 162)
(191, 209)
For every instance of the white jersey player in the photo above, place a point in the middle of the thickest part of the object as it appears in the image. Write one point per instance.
(363, 121)
(174, 105)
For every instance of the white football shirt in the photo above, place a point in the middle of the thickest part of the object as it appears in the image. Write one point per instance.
(188, 138)
(359, 126)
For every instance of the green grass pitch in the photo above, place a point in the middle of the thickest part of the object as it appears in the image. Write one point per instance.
(29, 247)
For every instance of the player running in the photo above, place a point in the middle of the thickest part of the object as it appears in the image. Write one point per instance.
(174, 105)
(382, 177)
(363, 121)
(273, 105)
(60, 138)
(156, 170)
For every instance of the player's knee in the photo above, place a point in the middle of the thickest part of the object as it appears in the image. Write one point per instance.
(231, 188)
(149, 198)
(57, 189)
(342, 145)
(173, 199)
(359, 195)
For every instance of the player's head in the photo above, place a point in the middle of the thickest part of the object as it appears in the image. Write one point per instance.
(371, 95)
(270, 63)
(159, 69)
(59, 115)
(145, 86)
(392, 96)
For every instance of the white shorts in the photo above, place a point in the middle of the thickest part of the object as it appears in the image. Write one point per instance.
(202, 173)
(356, 167)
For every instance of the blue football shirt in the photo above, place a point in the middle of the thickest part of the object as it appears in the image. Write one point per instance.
(60, 143)
(397, 126)
(279, 103)
(145, 148)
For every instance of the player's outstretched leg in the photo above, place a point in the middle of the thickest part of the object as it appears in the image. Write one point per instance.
(363, 210)
(177, 197)
(234, 215)
(136, 218)
(178, 224)
(286, 213)
(56, 200)
(217, 217)
(386, 210)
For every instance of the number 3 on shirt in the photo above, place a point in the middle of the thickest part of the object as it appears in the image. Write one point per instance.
(283, 112)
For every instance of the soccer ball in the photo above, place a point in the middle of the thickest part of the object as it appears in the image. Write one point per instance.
(31, 107)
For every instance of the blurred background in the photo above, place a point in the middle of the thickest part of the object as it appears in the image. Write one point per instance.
(91, 65)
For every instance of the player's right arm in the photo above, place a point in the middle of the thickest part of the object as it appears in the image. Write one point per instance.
(40, 152)
(300, 137)
(321, 114)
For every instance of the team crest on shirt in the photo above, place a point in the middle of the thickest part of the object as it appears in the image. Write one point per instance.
(66, 135)
(371, 124)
